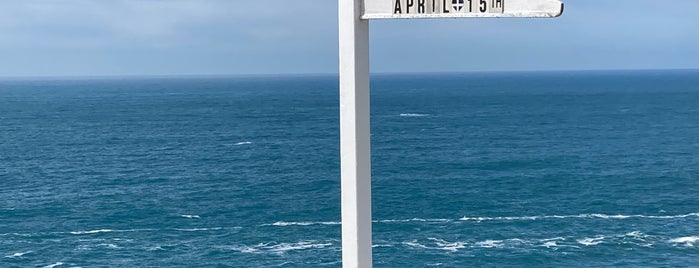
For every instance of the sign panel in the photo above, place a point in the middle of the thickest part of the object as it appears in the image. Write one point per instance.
(399, 9)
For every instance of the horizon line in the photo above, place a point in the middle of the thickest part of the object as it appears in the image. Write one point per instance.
(252, 75)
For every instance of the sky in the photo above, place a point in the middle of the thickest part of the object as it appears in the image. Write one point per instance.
(234, 37)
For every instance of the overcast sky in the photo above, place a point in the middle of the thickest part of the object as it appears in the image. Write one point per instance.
(171, 37)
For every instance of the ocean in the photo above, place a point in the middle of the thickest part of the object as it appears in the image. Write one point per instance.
(521, 169)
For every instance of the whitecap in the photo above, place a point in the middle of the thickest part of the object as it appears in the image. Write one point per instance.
(18, 254)
(413, 115)
(155, 248)
(53, 265)
(550, 244)
(190, 216)
(415, 244)
(302, 223)
(636, 234)
(244, 249)
(243, 143)
(412, 220)
(591, 241)
(198, 229)
(284, 247)
(605, 216)
(91, 231)
(579, 216)
(110, 246)
(490, 244)
(687, 240)
(448, 246)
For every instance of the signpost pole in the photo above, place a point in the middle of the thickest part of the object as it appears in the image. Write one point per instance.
(355, 139)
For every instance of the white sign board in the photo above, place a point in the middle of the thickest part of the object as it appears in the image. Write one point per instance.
(400, 9)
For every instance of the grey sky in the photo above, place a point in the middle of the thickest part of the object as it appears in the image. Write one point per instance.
(166, 37)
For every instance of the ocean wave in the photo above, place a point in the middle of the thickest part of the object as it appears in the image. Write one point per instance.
(448, 246)
(412, 220)
(109, 245)
(98, 231)
(490, 243)
(18, 254)
(92, 231)
(198, 229)
(502, 218)
(190, 216)
(686, 241)
(281, 248)
(53, 265)
(284, 247)
(579, 216)
(550, 244)
(587, 241)
(310, 223)
(413, 115)
(243, 143)
(630, 239)
(302, 223)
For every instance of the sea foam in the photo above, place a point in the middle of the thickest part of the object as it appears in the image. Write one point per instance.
(92, 231)
(243, 143)
(688, 241)
(302, 223)
(591, 241)
(18, 254)
(53, 265)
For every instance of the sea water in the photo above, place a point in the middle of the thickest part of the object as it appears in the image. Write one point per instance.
(540, 169)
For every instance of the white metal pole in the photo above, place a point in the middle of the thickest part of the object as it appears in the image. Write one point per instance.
(355, 140)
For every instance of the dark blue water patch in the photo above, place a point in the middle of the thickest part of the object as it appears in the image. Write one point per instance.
(569, 169)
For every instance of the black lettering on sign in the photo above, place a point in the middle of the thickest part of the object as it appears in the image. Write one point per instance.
(397, 9)
(434, 6)
(421, 6)
(497, 4)
(457, 5)
(408, 5)
(484, 6)
(470, 5)
(445, 9)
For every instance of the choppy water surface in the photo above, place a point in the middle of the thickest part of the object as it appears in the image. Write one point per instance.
(505, 169)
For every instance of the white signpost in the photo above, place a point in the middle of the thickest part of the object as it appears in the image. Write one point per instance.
(355, 136)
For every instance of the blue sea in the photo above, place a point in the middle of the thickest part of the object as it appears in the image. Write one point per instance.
(522, 169)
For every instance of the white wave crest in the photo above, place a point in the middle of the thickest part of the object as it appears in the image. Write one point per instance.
(190, 216)
(412, 220)
(302, 223)
(198, 229)
(579, 216)
(110, 246)
(284, 247)
(92, 231)
(490, 244)
(413, 115)
(688, 241)
(448, 246)
(415, 244)
(550, 244)
(244, 249)
(243, 143)
(280, 248)
(591, 241)
(53, 265)
(18, 254)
